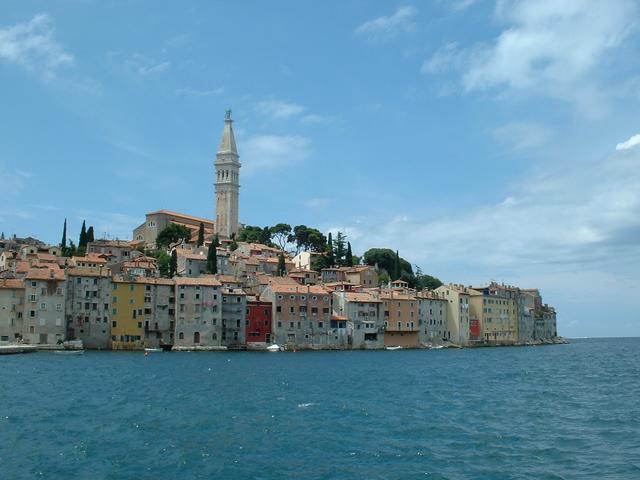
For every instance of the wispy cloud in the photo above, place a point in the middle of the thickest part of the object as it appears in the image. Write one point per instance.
(547, 47)
(13, 180)
(460, 5)
(387, 27)
(139, 64)
(523, 135)
(267, 152)
(151, 69)
(192, 92)
(630, 143)
(315, 119)
(278, 109)
(565, 217)
(33, 46)
(317, 202)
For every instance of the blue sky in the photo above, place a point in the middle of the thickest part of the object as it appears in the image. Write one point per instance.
(484, 140)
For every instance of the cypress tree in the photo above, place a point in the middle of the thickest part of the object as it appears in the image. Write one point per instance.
(173, 264)
(331, 260)
(201, 235)
(82, 241)
(349, 257)
(396, 267)
(63, 244)
(212, 257)
(90, 237)
(282, 269)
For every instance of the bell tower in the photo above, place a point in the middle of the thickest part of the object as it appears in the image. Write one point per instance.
(227, 181)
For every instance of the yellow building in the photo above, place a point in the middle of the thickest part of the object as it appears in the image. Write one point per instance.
(496, 307)
(127, 314)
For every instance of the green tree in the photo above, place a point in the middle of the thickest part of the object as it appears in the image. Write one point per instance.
(172, 234)
(331, 259)
(265, 236)
(201, 235)
(212, 256)
(349, 256)
(173, 263)
(82, 242)
(282, 269)
(164, 259)
(63, 243)
(90, 236)
(385, 259)
(250, 234)
(339, 247)
(280, 234)
(233, 246)
(395, 275)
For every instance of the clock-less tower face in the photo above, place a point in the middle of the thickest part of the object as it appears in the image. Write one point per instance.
(227, 182)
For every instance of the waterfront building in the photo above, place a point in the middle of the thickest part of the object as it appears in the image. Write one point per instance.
(457, 313)
(159, 312)
(498, 312)
(364, 316)
(87, 309)
(258, 323)
(227, 182)
(432, 314)
(301, 315)
(45, 293)
(11, 309)
(234, 306)
(401, 321)
(198, 312)
(127, 314)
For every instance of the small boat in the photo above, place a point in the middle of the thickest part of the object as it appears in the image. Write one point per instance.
(273, 348)
(394, 348)
(437, 347)
(153, 350)
(69, 352)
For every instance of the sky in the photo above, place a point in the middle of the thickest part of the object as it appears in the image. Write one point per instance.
(484, 140)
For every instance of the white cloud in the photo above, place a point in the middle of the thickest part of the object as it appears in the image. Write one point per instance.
(632, 142)
(151, 69)
(314, 119)
(13, 180)
(548, 47)
(523, 135)
(567, 217)
(191, 92)
(461, 5)
(33, 46)
(386, 27)
(278, 109)
(261, 152)
(317, 202)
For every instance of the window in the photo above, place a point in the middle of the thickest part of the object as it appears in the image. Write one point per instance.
(43, 306)
(320, 324)
(278, 309)
(114, 324)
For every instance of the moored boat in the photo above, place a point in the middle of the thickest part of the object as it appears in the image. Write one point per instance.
(69, 352)
(274, 348)
(398, 347)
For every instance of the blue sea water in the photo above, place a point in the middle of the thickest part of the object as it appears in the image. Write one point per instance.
(554, 412)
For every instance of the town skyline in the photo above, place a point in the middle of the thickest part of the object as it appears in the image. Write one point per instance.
(460, 163)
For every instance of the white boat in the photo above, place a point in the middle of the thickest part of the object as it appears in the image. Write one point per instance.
(152, 349)
(273, 348)
(437, 347)
(394, 348)
(69, 352)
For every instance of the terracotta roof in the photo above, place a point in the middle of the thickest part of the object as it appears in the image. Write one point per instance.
(112, 243)
(181, 215)
(87, 272)
(22, 266)
(361, 297)
(227, 279)
(191, 256)
(90, 258)
(204, 280)
(11, 283)
(37, 273)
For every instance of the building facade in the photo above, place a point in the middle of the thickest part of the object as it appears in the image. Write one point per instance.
(11, 309)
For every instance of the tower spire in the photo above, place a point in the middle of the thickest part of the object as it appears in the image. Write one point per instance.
(228, 140)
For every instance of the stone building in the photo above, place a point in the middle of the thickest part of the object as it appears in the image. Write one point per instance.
(301, 315)
(365, 318)
(114, 251)
(400, 318)
(88, 302)
(11, 309)
(157, 221)
(432, 312)
(198, 313)
(234, 306)
(227, 182)
(159, 312)
(44, 316)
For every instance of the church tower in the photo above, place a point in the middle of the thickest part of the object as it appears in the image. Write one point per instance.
(227, 182)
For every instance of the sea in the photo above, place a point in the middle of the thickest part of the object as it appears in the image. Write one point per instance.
(547, 412)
